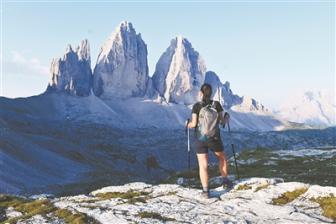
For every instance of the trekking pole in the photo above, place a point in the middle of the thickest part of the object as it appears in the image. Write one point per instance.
(232, 145)
(233, 150)
(218, 89)
(188, 134)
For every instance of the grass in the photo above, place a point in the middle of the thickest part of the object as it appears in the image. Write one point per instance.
(154, 215)
(288, 196)
(261, 187)
(328, 205)
(298, 169)
(10, 201)
(171, 193)
(244, 187)
(131, 196)
(258, 153)
(73, 218)
(30, 208)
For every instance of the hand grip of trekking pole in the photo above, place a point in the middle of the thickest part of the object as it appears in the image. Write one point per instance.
(187, 132)
(186, 125)
(226, 115)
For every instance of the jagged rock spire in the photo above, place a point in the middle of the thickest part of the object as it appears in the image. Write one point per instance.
(72, 73)
(122, 68)
(179, 72)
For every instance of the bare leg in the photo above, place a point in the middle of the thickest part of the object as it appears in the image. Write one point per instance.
(222, 165)
(203, 169)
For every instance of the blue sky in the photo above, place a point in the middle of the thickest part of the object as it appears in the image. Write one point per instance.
(266, 50)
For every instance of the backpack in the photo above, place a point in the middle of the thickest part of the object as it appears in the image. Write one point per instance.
(207, 122)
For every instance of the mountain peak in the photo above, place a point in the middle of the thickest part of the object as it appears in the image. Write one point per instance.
(180, 42)
(83, 50)
(227, 85)
(313, 107)
(123, 27)
(122, 68)
(181, 39)
(68, 49)
(72, 73)
(125, 24)
(179, 72)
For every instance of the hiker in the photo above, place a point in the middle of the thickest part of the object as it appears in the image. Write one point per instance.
(206, 116)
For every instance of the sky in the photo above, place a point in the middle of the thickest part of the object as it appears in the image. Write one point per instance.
(266, 49)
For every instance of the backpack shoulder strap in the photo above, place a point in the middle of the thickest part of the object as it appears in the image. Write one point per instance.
(213, 103)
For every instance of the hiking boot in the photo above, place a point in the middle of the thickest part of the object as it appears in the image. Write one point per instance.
(205, 194)
(227, 183)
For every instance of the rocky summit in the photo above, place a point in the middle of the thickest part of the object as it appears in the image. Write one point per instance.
(72, 73)
(122, 68)
(179, 72)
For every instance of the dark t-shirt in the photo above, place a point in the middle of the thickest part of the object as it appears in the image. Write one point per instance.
(198, 106)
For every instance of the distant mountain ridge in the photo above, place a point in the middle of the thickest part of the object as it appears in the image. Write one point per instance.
(121, 71)
(120, 77)
(313, 107)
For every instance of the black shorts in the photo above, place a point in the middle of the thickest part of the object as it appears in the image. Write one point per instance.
(215, 144)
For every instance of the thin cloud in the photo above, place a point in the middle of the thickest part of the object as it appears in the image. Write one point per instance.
(29, 64)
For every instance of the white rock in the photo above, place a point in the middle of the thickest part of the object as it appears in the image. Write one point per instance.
(11, 213)
(72, 73)
(180, 181)
(179, 73)
(182, 204)
(316, 191)
(121, 69)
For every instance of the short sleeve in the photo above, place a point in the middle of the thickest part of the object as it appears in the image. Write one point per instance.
(219, 107)
(195, 109)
